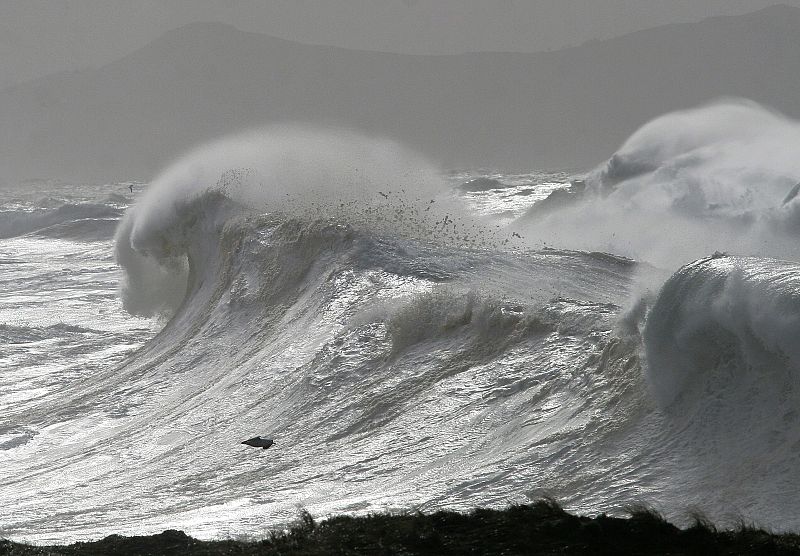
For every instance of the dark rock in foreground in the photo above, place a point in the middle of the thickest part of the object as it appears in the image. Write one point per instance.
(541, 528)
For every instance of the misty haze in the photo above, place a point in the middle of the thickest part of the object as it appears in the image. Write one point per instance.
(264, 261)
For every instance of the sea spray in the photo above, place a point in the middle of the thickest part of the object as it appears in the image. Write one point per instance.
(685, 185)
(370, 183)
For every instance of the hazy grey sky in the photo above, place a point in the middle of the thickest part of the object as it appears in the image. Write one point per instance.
(43, 36)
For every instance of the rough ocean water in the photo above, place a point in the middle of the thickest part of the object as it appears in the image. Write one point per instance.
(412, 339)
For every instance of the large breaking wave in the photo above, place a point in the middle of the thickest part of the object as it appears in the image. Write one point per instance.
(726, 322)
(723, 363)
(327, 289)
(369, 183)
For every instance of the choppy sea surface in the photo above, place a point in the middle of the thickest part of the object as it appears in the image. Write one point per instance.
(410, 338)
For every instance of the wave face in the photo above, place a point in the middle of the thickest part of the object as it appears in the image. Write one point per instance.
(404, 347)
(724, 319)
(724, 364)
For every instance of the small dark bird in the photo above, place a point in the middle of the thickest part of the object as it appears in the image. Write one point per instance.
(259, 442)
(385, 196)
(130, 186)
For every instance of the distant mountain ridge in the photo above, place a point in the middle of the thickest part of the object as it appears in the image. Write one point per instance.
(567, 108)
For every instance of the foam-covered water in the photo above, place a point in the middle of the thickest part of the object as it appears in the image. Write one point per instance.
(408, 340)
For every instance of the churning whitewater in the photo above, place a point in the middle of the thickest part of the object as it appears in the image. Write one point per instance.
(411, 339)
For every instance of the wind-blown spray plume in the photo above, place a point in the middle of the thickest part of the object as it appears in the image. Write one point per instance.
(715, 178)
(355, 180)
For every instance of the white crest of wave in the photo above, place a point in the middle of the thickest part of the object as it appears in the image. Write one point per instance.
(715, 178)
(302, 172)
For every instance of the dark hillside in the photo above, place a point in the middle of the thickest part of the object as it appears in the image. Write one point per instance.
(569, 108)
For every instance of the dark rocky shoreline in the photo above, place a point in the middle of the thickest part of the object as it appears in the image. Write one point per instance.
(539, 528)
